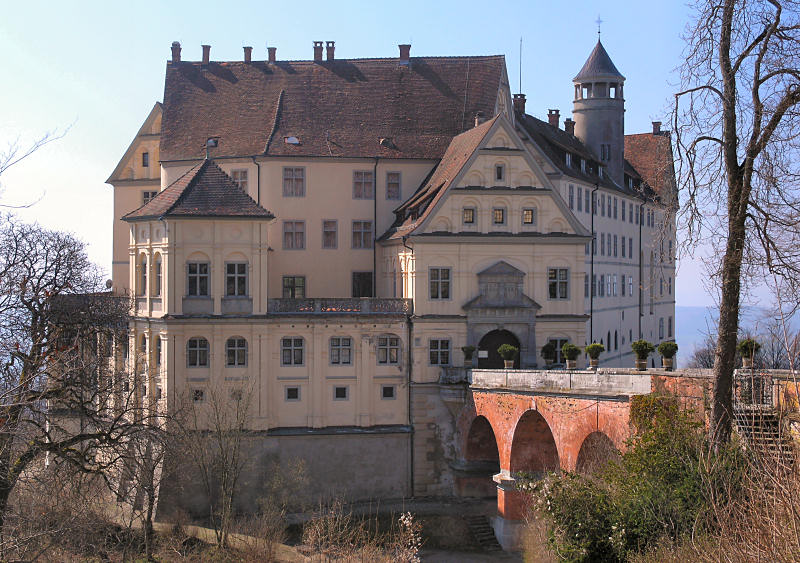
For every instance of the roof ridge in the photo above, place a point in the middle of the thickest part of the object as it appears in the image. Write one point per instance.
(359, 59)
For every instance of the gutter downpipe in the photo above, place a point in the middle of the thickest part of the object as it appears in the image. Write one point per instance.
(375, 227)
(410, 331)
(592, 250)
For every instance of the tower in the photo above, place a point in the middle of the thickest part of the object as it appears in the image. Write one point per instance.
(599, 110)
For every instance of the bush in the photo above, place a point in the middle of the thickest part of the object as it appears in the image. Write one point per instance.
(668, 349)
(595, 349)
(549, 351)
(570, 351)
(507, 351)
(642, 349)
(748, 347)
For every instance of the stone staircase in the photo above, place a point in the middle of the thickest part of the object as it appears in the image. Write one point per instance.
(761, 428)
(482, 532)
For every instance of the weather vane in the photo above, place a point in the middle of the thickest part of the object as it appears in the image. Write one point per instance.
(598, 22)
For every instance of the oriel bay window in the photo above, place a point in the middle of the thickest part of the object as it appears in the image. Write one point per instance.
(236, 279)
(440, 283)
(197, 274)
(558, 283)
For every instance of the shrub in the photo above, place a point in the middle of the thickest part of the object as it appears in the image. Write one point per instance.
(668, 349)
(507, 351)
(595, 349)
(549, 351)
(468, 352)
(570, 351)
(748, 347)
(642, 349)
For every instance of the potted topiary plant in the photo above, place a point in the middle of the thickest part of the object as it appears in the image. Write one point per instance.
(508, 353)
(469, 351)
(642, 349)
(667, 351)
(549, 354)
(594, 350)
(748, 349)
(571, 353)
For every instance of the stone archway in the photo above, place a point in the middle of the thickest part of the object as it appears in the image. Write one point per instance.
(533, 448)
(481, 461)
(490, 342)
(596, 451)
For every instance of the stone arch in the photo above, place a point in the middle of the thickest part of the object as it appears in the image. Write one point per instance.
(474, 474)
(481, 443)
(596, 451)
(557, 226)
(533, 448)
(475, 178)
(442, 225)
(490, 342)
(525, 179)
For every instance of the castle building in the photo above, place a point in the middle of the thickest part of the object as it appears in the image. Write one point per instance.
(333, 232)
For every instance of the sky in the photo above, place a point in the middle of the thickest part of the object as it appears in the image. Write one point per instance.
(95, 69)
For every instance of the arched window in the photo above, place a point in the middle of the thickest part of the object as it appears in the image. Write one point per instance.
(197, 352)
(616, 341)
(388, 349)
(142, 274)
(236, 352)
(157, 276)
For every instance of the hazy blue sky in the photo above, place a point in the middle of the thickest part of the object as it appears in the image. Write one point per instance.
(100, 67)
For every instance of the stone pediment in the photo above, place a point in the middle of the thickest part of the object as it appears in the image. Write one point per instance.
(500, 287)
(501, 268)
(501, 302)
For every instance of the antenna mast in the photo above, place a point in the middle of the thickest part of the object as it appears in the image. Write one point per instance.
(520, 66)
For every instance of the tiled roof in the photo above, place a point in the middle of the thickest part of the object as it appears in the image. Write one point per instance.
(204, 191)
(598, 65)
(415, 209)
(651, 157)
(334, 108)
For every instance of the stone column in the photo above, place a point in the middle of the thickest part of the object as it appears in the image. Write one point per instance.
(508, 523)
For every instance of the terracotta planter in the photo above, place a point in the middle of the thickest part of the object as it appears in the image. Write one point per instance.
(641, 365)
(508, 364)
(594, 362)
(747, 363)
(572, 364)
(667, 363)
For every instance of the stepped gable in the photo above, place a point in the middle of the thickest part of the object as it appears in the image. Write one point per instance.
(650, 155)
(204, 191)
(598, 65)
(340, 108)
(416, 209)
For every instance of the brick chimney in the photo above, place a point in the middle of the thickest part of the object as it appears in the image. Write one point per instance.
(206, 54)
(569, 126)
(271, 54)
(519, 104)
(248, 54)
(176, 52)
(329, 48)
(405, 54)
(656, 128)
(553, 116)
(317, 51)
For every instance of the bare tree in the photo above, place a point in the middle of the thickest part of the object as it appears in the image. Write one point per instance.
(14, 153)
(737, 122)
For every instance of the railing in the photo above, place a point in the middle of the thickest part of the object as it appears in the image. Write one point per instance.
(450, 375)
(753, 388)
(359, 305)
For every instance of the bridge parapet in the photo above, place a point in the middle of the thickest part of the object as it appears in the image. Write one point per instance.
(600, 382)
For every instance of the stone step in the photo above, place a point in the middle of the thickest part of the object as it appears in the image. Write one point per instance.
(482, 532)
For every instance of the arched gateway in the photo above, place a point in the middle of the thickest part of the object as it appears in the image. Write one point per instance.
(488, 357)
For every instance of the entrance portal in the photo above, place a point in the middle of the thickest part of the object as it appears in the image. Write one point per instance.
(490, 343)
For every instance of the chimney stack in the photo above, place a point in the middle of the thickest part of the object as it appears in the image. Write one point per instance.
(656, 128)
(317, 51)
(553, 116)
(248, 54)
(405, 54)
(329, 47)
(271, 54)
(176, 52)
(569, 126)
(519, 104)
(479, 118)
(206, 54)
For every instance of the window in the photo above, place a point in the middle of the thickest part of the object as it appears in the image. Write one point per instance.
(661, 328)
(388, 392)
(602, 244)
(341, 392)
(468, 215)
(292, 393)
(236, 279)
(292, 351)
(669, 285)
(602, 289)
(294, 182)
(143, 275)
(157, 276)
(603, 205)
(558, 343)
(362, 234)
(586, 200)
(605, 152)
(341, 350)
(439, 279)
(670, 257)
(499, 172)
(580, 198)
(594, 203)
(329, 234)
(608, 285)
(586, 285)
(615, 246)
(145, 159)
(623, 247)
(439, 351)
(616, 340)
(630, 213)
(388, 349)
(362, 184)
(393, 185)
(198, 395)
(630, 286)
(622, 285)
(197, 353)
(630, 247)
(571, 196)
(240, 177)
(614, 286)
(294, 235)
(362, 284)
(568, 160)
(669, 327)
(623, 211)
(294, 287)
(608, 201)
(236, 352)
(159, 350)
(499, 216)
(529, 216)
(583, 164)
(557, 283)
(197, 278)
(148, 195)
(594, 285)
(615, 208)
(594, 244)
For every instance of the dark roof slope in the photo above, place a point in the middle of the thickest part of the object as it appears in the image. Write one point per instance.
(204, 191)
(416, 209)
(598, 65)
(334, 108)
(651, 157)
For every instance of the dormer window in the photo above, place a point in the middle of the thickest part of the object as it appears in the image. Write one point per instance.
(568, 159)
(499, 172)
(583, 165)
